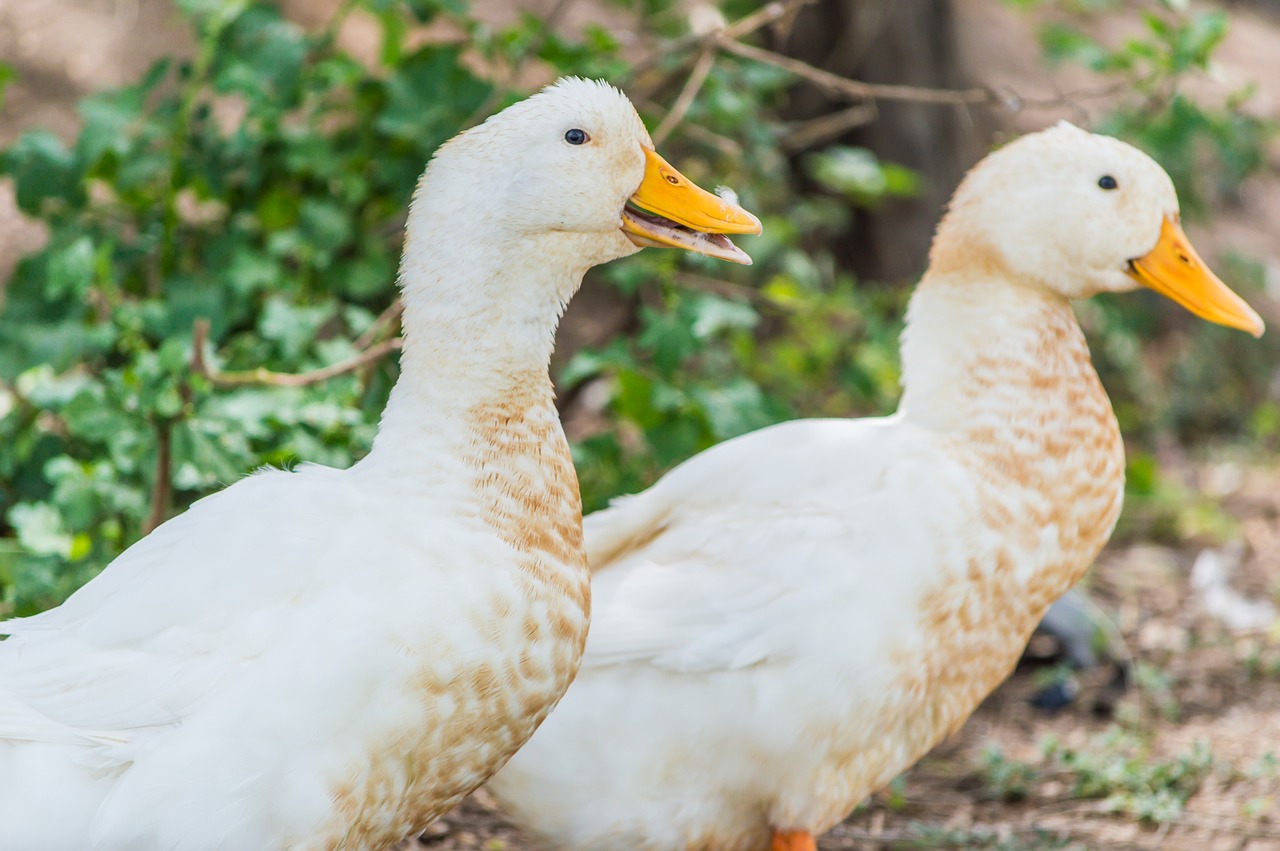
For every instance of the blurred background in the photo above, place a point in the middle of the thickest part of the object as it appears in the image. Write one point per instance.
(201, 205)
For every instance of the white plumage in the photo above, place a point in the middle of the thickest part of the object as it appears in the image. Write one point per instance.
(785, 622)
(331, 658)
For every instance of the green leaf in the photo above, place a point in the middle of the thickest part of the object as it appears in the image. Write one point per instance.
(430, 94)
(713, 314)
(39, 528)
(394, 28)
(293, 328)
(71, 269)
(43, 170)
(324, 222)
(268, 59)
(734, 408)
(7, 76)
(859, 175)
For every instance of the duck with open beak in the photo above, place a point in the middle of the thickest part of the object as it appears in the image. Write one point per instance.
(669, 210)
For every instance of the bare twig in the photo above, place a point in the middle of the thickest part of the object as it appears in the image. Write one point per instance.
(697, 132)
(163, 487)
(552, 20)
(807, 134)
(728, 289)
(379, 325)
(692, 86)
(200, 334)
(709, 138)
(686, 47)
(703, 136)
(856, 89)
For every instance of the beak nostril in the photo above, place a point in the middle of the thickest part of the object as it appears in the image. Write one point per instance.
(1184, 258)
(673, 180)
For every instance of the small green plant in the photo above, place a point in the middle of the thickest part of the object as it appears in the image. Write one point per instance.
(1005, 779)
(1161, 509)
(1115, 767)
(277, 226)
(1121, 774)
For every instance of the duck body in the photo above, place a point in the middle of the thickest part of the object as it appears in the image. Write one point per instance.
(787, 621)
(793, 616)
(329, 659)
(414, 708)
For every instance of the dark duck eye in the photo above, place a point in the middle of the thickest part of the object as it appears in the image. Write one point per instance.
(576, 137)
(1107, 182)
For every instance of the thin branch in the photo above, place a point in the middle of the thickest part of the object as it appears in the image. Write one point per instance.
(723, 144)
(552, 20)
(727, 289)
(807, 134)
(1014, 102)
(163, 487)
(200, 334)
(856, 89)
(696, 132)
(384, 320)
(692, 86)
(686, 46)
(767, 14)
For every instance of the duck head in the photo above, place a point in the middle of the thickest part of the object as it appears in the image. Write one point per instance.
(1077, 214)
(575, 160)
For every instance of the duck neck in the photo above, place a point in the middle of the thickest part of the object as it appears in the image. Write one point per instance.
(1001, 371)
(479, 328)
(989, 355)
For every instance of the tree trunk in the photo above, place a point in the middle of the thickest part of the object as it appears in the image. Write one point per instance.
(911, 42)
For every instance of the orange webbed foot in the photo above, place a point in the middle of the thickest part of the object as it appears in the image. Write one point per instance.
(793, 840)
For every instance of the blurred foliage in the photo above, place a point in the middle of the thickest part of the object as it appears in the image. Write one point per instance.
(262, 185)
(1208, 149)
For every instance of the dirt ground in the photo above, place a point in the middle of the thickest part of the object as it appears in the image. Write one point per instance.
(1207, 684)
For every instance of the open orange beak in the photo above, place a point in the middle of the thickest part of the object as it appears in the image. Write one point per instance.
(669, 210)
(1174, 270)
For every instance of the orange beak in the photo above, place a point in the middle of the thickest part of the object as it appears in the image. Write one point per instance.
(1174, 270)
(669, 210)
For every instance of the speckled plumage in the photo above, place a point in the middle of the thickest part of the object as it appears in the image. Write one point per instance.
(329, 659)
(790, 619)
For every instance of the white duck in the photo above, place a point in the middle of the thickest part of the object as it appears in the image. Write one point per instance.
(787, 621)
(329, 659)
